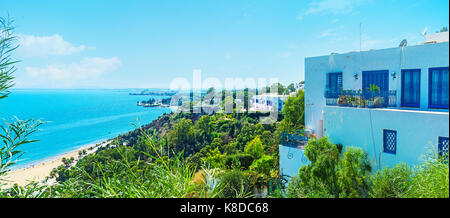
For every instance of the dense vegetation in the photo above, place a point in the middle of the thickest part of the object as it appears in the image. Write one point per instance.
(240, 152)
(334, 172)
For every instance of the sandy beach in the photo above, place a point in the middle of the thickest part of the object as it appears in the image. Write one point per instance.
(40, 171)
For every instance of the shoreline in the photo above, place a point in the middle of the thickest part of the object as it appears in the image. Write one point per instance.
(19, 166)
(38, 172)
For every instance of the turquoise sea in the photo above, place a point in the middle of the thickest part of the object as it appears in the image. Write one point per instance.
(74, 118)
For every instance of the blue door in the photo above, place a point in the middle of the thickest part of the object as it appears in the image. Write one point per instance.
(379, 78)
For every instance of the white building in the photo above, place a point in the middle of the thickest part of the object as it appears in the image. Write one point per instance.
(267, 102)
(436, 37)
(412, 114)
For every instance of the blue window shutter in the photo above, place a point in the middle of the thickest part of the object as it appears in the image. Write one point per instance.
(411, 88)
(438, 89)
(379, 78)
(334, 81)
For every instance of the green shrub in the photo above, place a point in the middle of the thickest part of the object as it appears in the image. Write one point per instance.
(242, 161)
(215, 159)
(255, 148)
(332, 174)
(353, 173)
(320, 175)
(263, 165)
(235, 184)
(431, 178)
(296, 189)
(392, 182)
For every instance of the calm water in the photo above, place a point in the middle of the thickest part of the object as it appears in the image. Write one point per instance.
(74, 118)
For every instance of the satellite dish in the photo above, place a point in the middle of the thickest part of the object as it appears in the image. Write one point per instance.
(403, 43)
(424, 32)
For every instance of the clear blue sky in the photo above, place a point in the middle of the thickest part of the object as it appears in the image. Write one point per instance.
(120, 44)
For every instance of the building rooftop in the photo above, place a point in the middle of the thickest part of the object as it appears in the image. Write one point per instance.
(386, 49)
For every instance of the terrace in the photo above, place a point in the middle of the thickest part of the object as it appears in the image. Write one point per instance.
(361, 99)
(295, 140)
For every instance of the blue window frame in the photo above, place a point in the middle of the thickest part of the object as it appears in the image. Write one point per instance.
(442, 146)
(438, 88)
(411, 88)
(379, 78)
(389, 141)
(334, 81)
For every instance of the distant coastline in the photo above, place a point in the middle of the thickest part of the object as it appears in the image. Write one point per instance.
(155, 92)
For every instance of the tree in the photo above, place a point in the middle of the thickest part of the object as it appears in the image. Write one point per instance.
(319, 177)
(294, 113)
(291, 87)
(67, 161)
(353, 173)
(247, 132)
(263, 165)
(182, 136)
(214, 159)
(255, 148)
(211, 90)
(281, 89)
(204, 128)
(331, 175)
(246, 99)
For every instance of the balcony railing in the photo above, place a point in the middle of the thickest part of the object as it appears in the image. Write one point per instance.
(297, 139)
(363, 99)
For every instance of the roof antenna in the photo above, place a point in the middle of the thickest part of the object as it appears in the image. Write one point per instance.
(424, 33)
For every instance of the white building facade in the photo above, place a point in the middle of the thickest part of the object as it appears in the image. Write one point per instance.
(406, 118)
(267, 102)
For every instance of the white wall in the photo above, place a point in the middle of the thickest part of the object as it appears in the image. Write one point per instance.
(291, 160)
(392, 59)
(417, 131)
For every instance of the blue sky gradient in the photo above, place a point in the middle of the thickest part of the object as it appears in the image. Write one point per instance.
(118, 44)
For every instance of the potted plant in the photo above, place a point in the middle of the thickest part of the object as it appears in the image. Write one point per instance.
(378, 101)
(355, 101)
(373, 90)
(360, 102)
(341, 100)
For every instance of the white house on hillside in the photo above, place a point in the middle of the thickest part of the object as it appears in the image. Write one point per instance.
(267, 102)
(393, 103)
